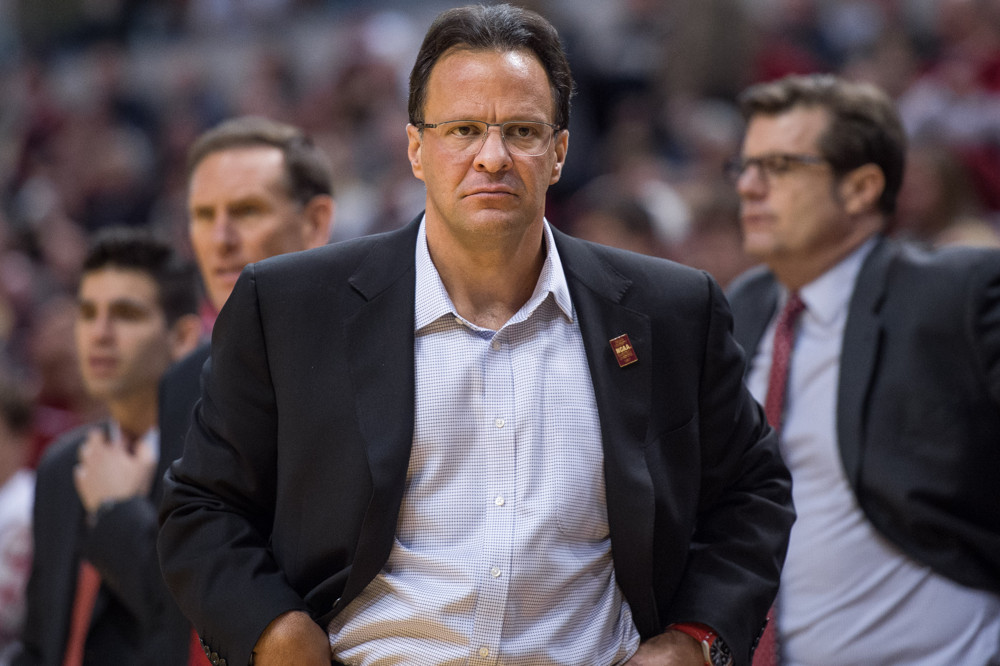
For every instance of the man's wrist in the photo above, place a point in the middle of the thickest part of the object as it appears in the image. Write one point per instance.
(715, 650)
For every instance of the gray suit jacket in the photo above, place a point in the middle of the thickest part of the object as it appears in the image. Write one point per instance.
(292, 476)
(918, 406)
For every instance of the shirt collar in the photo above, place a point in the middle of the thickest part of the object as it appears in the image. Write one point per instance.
(432, 300)
(151, 436)
(829, 295)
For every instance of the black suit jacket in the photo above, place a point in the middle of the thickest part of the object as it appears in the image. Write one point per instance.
(290, 485)
(135, 621)
(918, 405)
(180, 389)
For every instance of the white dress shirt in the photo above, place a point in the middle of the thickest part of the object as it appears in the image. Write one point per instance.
(848, 596)
(502, 552)
(150, 438)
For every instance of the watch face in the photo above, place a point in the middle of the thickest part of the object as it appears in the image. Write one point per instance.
(720, 654)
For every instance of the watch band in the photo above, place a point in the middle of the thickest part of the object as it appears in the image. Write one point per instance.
(713, 649)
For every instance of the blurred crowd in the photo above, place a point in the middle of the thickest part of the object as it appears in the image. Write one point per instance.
(99, 100)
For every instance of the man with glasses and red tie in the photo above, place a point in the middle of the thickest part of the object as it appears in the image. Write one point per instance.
(476, 440)
(880, 365)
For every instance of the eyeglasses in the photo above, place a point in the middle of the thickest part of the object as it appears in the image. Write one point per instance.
(774, 164)
(522, 137)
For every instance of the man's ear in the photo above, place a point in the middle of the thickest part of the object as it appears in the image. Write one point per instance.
(318, 220)
(185, 335)
(861, 188)
(415, 141)
(562, 147)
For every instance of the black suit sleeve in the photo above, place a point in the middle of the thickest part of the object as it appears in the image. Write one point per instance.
(137, 619)
(744, 508)
(987, 324)
(219, 496)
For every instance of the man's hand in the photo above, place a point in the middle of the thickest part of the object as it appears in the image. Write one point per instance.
(106, 471)
(292, 638)
(671, 648)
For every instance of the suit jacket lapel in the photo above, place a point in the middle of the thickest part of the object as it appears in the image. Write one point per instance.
(753, 305)
(382, 373)
(623, 397)
(862, 338)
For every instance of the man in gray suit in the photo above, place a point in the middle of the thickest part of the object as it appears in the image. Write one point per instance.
(892, 402)
(475, 439)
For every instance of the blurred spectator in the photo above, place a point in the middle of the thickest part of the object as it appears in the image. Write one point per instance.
(62, 400)
(789, 39)
(17, 492)
(618, 221)
(36, 323)
(957, 100)
(972, 232)
(714, 242)
(100, 98)
(937, 203)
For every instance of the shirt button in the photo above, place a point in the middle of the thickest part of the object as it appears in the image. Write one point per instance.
(484, 651)
(499, 423)
(498, 501)
(495, 572)
(495, 345)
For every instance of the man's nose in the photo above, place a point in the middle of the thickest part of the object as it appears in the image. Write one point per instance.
(102, 326)
(752, 182)
(493, 155)
(223, 230)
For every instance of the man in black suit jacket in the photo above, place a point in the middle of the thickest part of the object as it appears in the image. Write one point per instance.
(892, 417)
(256, 188)
(297, 489)
(98, 487)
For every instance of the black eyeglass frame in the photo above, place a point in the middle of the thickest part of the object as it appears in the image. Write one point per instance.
(771, 164)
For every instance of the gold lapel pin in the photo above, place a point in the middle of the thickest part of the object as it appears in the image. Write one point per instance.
(624, 352)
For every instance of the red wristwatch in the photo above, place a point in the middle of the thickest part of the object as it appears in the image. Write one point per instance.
(713, 648)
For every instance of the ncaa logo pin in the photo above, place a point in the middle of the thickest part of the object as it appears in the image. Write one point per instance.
(624, 352)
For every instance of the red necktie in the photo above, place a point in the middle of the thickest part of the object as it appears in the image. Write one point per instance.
(774, 407)
(88, 582)
(784, 338)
